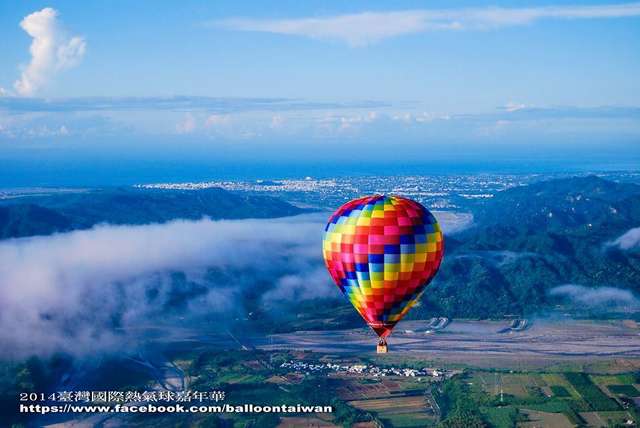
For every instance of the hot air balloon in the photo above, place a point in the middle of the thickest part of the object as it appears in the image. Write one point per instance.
(382, 251)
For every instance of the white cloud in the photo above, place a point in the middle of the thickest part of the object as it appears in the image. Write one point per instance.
(358, 29)
(629, 240)
(418, 117)
(216, 120)
(296, 287)
(89, 291)
(52, 51)
(354, 122)
(337, 122)
(596, 297)
(365, 28)
(86, 291)
(511, 106)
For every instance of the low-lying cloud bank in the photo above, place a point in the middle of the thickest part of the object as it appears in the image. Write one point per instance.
(597, 297)
(628, 240)
(79, 292)
(89, 291)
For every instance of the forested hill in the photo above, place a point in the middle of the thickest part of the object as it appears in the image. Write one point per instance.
(60, 212)
(528, 240)
(562, 204)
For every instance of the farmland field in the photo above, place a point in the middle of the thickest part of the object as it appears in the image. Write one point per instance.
(559, 380)
(593, 395)
(560, 391)
(549, 420)
(500, 417)
(605, 419)
(550, 399)
(627, 390)
(396, 402)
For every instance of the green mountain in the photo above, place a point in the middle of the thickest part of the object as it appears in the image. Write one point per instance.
(29, 219)
(59, 212)
(561, 205)
(530, 239)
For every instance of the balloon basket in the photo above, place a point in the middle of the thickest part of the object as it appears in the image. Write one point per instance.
(382, 348)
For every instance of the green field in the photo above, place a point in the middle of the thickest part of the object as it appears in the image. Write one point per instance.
(560, 391)
(530, 398)
(557, 379)
(501, 417)
(590, 392)
(628, 390)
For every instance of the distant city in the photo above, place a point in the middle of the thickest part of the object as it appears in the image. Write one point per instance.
(440, 192)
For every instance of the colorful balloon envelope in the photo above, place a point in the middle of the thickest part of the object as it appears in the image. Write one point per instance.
(382, 251)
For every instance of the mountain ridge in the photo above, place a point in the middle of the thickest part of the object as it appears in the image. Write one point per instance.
(62, 212)
(517, 252)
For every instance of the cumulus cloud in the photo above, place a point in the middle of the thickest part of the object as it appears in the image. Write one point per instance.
(628, 240)
(52, 50)
(86, 291)
(365, 28)
(597, 297)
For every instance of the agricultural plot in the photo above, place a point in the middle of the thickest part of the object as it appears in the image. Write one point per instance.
(557, 379)
(304, 422)
(352, 390)
(544, 419)
(520, 385)
(626, 390)
(408, 420)
(552, 399)
(617, 379)
(622, 385)
(605, 419)
(592, 395)
(555, 406)
(396, 402)
(232, 378)
(560, 391)
(493, 383)
(391, 405)
(500, 417)
(523, 386)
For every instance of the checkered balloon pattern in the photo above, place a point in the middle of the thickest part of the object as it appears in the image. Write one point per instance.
(382, 251)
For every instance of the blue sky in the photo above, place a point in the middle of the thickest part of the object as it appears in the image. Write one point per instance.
(133, 80)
